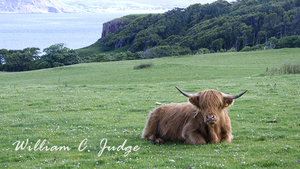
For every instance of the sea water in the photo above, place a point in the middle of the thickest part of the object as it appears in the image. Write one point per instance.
(76, 30)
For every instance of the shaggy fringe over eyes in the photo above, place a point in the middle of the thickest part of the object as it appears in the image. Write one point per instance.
(211, 99)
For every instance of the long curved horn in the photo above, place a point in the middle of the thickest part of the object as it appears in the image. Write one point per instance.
(234, 97)
(185, 94)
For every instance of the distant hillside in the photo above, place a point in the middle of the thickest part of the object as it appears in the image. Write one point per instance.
(67, 6)
(34, 6)
(114, 6)
(217, 26)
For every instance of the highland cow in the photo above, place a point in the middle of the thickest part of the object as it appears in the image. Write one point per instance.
(204, 119)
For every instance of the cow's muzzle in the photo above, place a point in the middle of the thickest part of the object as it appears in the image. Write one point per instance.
(210, 119)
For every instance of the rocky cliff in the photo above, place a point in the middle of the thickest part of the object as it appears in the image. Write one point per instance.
(34, 6)
(112, 26)
(118, 23)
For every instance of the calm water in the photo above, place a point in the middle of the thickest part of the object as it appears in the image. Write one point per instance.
(19, 31)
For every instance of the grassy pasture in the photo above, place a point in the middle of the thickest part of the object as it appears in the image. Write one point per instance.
(111, 101)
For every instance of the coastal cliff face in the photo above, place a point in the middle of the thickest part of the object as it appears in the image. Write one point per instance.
(112, 26)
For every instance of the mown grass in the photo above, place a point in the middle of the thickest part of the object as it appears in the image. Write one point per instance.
(111, 100)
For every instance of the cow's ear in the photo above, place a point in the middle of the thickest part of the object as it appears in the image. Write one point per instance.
(194, 100)
(227, 101)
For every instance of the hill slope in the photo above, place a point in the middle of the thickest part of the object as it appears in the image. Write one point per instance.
(111, 101)
(216, 26)
(173, 69)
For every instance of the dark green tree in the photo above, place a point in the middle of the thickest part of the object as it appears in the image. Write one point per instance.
(18, 60)
(57, 55)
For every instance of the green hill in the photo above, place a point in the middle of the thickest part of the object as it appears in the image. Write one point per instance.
(111, 100)
(189, 68)
(218, 26)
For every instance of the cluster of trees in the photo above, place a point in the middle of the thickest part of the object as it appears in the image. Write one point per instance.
(108, 57)
(274, 43)
(217, 26)
(163, 51)
(30, 59)
(18, 60)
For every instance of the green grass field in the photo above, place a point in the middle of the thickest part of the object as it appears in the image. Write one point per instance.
(110, 102)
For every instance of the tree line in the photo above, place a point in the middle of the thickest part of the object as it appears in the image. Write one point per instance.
(215, 26)
(30, 59)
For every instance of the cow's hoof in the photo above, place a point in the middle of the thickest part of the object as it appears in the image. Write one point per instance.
(152, 138)
(159, 141)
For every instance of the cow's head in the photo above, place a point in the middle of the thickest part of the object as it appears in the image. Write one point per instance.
(211, 103)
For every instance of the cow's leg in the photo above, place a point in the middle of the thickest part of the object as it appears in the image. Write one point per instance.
(191, 135)
(194, 138)
(227, 137)
(159, 141)
(150, 130)
(214, 134)
(226, 130)
(213, 137)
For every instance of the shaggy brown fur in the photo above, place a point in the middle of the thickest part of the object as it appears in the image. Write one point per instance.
(201, 120)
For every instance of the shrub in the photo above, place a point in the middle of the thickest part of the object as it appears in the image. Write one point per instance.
(164, 51)
(87, 59)
(143, 65)
(132, 56)
(100, 58)
(202, 51)
(246, 49)
(57, 64)
(289, 42)
(286, 68)
(43, 65)
(272, 42)
(232, 50)
(289, 68)
(222, 51)
(254, 48)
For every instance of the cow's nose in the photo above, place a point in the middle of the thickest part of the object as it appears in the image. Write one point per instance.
(210, 117)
